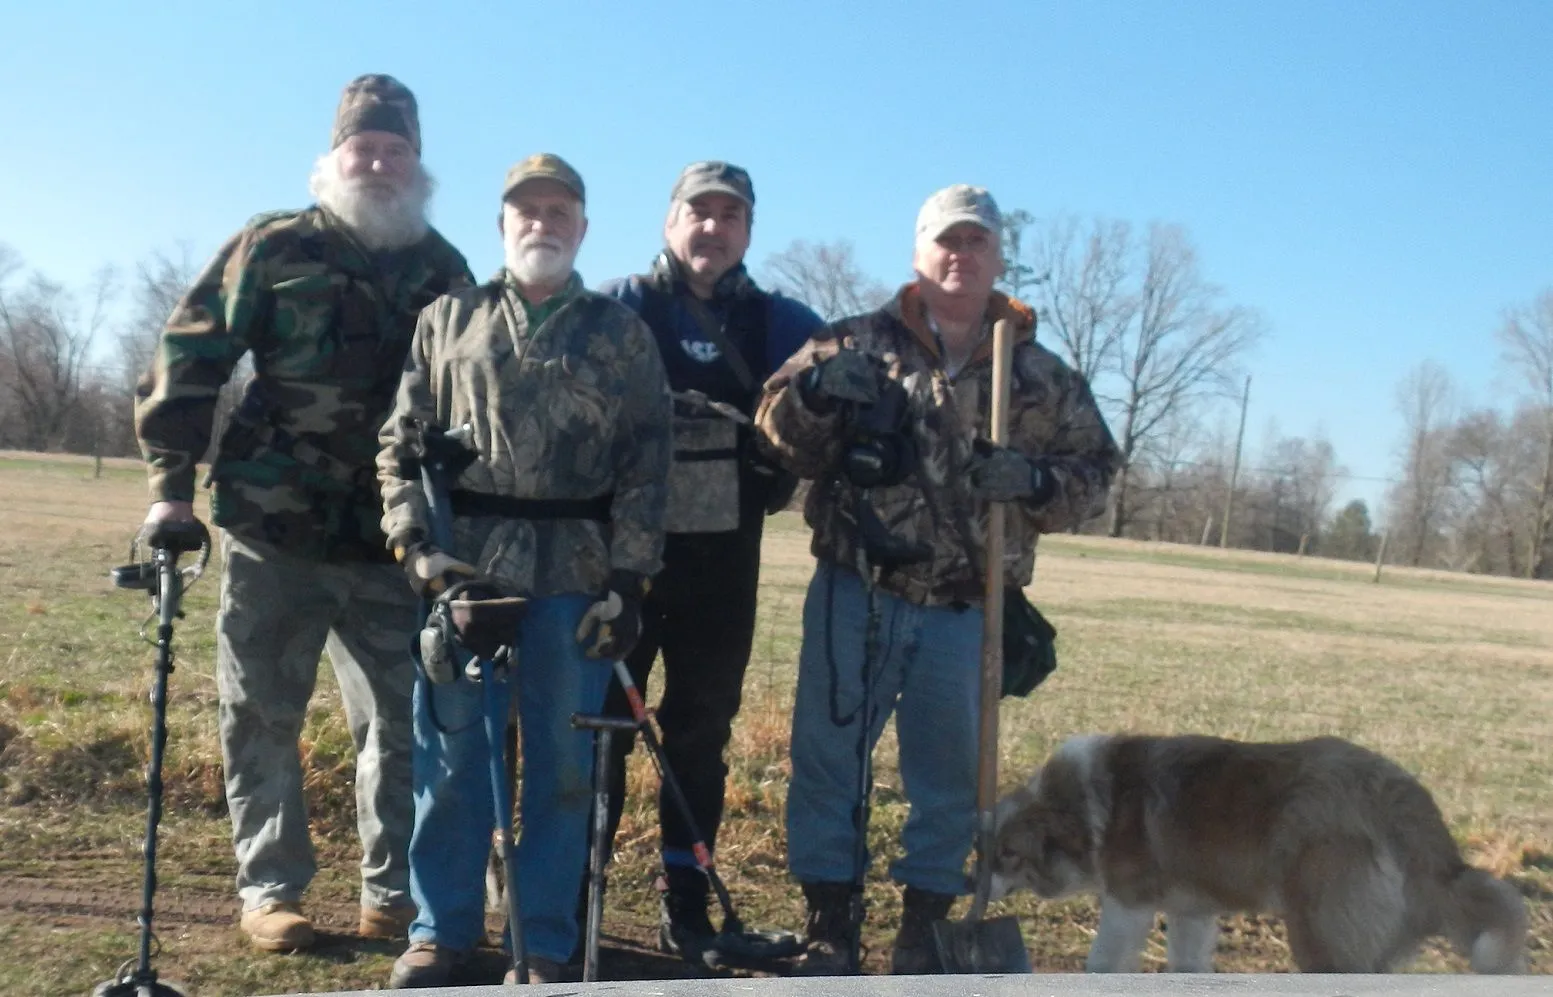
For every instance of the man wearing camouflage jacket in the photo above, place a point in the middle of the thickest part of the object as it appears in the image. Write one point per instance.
(568, 408)
(929, 478)
(324, 301)
(720, 337)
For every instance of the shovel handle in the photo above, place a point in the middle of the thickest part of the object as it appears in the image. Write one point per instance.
(992, 627)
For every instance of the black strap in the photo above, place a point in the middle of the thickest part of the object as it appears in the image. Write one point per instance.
(713, 331)
(690, 456)
(466, 503)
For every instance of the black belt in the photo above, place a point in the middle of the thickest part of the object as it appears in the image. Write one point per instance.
(688, 456)
(510, 507)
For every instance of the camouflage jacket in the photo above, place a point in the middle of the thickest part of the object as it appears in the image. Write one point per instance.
(327, 328)
(574, 408)
(1052, 415)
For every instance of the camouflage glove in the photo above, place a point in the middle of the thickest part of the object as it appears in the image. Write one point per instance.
(846, 375)
(431, 571)
(612, 625)
(999, 474)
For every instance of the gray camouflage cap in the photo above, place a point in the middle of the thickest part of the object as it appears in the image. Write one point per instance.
(955, 204)
(713, 177)
(377, 102)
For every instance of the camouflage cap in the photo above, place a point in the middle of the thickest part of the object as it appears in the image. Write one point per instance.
(955, 204)
(713, 177)
(377, 102)
(546, 166)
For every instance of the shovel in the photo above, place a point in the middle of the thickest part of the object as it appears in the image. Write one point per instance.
(979, 944)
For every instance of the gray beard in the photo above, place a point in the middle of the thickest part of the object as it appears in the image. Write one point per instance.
(378, 221)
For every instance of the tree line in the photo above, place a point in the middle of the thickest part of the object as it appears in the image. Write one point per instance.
(1164, 348)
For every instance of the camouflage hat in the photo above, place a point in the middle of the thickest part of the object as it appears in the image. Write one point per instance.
(955, 204)
(377, 102)
(713, 177)
(547, 166)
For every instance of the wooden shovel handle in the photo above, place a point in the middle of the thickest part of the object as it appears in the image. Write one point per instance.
(992, 624)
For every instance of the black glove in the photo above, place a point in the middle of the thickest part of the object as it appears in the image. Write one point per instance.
(431, 571)
(612, 625)
(999, 474)
(846, 375)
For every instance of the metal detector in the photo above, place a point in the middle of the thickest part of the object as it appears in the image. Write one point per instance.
(165, 582)
(735, 945)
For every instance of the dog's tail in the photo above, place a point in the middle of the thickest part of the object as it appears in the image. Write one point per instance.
(1487, 920)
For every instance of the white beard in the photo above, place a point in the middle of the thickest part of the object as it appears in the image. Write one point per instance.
(539, 262)
(380, 220)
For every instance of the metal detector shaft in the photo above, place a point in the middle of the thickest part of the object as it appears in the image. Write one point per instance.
(503, 804)
(655, 749)
(169, 592)
(604, 729)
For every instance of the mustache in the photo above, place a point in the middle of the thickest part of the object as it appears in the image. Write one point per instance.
(545, 242)
(708, 242)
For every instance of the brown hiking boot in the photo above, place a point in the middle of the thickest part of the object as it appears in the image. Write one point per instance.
(392, 921)
(278, 926)
(426, 964)
(831, 930)
(915, 952)
(542, 970)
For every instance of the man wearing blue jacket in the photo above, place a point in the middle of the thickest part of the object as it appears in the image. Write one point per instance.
(720, 337)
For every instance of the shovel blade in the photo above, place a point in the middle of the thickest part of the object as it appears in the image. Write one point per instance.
(748, 949)
(994, 945)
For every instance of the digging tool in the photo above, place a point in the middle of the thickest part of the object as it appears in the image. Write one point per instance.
(443, 455)
(165, 582)
(980, 944)
(735, 946)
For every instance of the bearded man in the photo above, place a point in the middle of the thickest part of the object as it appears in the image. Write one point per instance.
(567, 404)
(324, 302)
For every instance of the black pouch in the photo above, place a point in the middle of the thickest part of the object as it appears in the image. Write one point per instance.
(1029, 644)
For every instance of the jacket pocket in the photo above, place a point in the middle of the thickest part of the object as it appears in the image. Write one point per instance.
(703, 486)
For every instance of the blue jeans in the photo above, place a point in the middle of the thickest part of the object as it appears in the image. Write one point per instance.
(928, 675)
(454, 815)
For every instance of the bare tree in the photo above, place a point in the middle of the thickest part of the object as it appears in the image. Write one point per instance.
(825, 277)
(1526, 341)
(1182, 345)
(45, 337)
(1424, 399)
(1083, 294)
(160, 283)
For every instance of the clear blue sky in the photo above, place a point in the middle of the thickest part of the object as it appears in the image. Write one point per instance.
(1375, 178)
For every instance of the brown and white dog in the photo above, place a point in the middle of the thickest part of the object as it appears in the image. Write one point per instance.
(1345, 846)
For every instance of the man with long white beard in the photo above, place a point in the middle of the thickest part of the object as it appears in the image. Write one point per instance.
(567, 404)
(324, 301)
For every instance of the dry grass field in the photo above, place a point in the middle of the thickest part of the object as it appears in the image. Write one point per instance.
(1451, 675)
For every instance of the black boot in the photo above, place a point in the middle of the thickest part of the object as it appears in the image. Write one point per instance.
(684, 928)
(915, 952)
(831, 930)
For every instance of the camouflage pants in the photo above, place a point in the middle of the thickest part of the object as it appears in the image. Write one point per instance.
(278, 613)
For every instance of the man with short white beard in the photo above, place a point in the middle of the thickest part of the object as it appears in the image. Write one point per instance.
(567, 405)
(324, 300)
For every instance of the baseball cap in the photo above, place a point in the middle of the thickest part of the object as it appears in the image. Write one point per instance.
(958, 203)
(547, 166)
(713, 177)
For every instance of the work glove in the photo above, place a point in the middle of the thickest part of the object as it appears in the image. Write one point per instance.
(846, 376)
(998, 474)
(611, 626)
(431, 571)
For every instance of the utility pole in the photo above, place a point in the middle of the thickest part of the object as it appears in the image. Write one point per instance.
(1234, 474)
